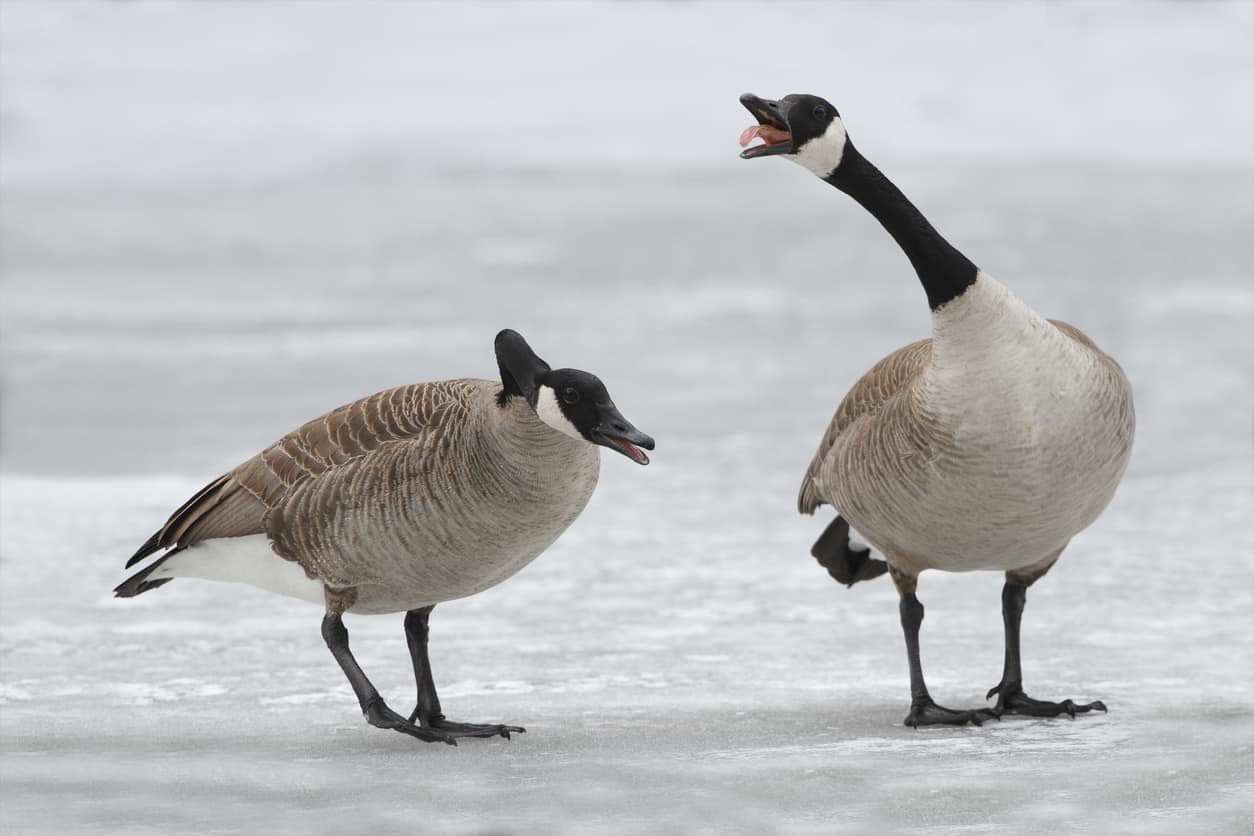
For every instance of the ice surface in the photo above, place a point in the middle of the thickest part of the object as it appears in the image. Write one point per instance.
(220, 220)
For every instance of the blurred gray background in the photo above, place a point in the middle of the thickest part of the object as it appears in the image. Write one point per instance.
(221, 219)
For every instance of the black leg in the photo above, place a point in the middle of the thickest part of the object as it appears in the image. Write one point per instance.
(923, 711)
(416, 633)
(373, 708)
(427, 712)
(1010, 696)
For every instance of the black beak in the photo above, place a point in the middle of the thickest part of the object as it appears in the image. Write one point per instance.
(771, 114)
(617, 433)
(766, 111)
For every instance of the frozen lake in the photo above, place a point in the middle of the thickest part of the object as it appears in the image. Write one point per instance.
(219, 221)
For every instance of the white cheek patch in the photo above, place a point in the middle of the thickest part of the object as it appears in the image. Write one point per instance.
(823, 153)
(550, 412)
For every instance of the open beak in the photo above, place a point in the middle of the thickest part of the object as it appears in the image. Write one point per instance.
(617, 433)
(772, 128)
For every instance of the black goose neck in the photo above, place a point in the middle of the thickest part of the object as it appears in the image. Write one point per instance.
(944, 272)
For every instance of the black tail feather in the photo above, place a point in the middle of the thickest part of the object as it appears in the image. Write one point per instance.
(844, 564)
(175, 528)
(151, 545)
(138, 583)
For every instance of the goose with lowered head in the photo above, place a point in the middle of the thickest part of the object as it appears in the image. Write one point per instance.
(400, 501)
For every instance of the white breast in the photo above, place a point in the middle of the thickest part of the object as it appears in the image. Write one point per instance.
(1002, 375)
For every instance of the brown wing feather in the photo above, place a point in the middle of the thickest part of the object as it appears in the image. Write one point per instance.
(237, 503)
(889, 376)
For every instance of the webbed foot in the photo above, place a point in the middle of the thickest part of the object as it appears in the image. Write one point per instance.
(928, 713)
(380, 716)
(439, 723)
(847, 565)
(1012, 700)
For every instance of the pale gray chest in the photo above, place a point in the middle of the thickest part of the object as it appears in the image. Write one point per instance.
(1011, 443)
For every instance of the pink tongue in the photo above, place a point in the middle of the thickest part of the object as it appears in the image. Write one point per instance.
(632, 450)
(771, 136)
(749, 134)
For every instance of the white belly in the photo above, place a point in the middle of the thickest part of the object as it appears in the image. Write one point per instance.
(247, 560)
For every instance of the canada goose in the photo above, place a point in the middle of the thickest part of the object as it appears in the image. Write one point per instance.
(988, 446)
(401, 500)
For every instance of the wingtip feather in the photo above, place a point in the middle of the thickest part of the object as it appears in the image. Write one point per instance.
(151, 545)
(808, 499)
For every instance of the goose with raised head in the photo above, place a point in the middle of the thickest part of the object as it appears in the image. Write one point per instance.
(400, 501)
(988, 446)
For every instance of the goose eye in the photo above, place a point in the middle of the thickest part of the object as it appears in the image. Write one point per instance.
(820, 112)
(570, 395)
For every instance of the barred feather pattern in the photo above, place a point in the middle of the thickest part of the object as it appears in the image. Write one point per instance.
(987, 447)
(411, 496)
(885, 379)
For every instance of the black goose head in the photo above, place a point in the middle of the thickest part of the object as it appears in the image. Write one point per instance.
(806, 129)
(570, 401)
